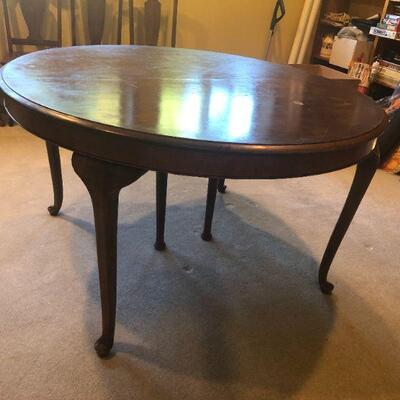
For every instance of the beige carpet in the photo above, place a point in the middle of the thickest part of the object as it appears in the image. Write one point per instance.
(238, 318)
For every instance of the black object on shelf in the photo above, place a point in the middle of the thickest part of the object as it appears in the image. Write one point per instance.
(377, 91)
(365, 24)
(391, 54)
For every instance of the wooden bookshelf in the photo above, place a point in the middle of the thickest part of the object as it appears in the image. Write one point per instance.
(384, 47)
(355, 8)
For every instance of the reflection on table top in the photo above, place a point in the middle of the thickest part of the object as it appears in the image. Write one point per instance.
(192, 95)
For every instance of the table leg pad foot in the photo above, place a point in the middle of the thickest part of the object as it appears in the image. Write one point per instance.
(160, 246)
(326, 287)
(206, 236)
(103, 346)
(53, 210)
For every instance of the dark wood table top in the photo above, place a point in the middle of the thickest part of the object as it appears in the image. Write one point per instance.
(185, 99)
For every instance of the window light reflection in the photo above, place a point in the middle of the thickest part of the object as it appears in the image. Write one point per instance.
(241, 116)
(189, 117)
(219, 103)
(169, 109)
(229, 113)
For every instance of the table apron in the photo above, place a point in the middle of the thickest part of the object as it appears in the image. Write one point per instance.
(178, 160)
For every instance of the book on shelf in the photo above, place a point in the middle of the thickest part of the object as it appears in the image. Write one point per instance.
(385, 33)
(388, 74)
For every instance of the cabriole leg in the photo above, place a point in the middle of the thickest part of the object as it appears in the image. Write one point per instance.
(53, 154)
(211, 196)
(161, 200)
(365, 172)
(104, 182)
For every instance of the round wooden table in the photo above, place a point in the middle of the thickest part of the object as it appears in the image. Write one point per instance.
(124, 110)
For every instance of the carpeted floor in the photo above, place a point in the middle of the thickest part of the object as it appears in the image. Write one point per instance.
(239, 318)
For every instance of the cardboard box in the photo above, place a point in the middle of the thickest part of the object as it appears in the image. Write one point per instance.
(345, 51)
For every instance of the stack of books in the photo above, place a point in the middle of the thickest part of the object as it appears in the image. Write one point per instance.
(388, 74)
(389, 27)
